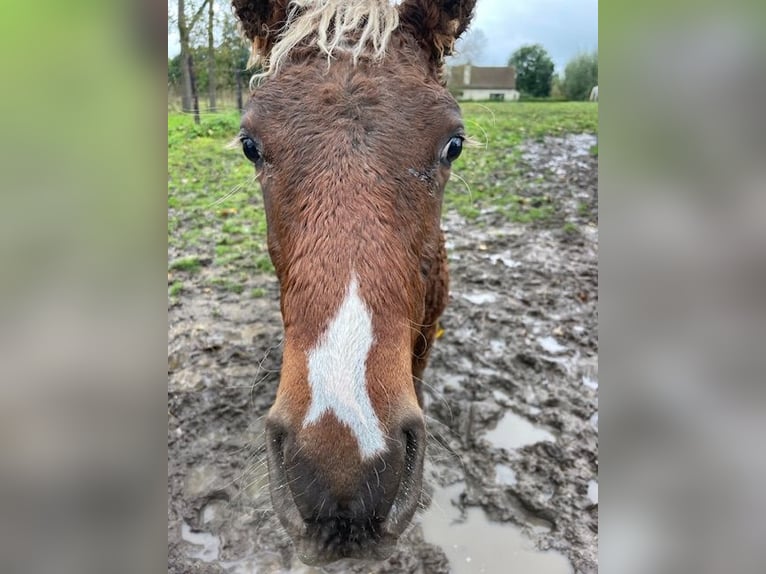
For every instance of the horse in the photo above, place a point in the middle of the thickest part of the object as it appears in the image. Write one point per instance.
(594, 94)
(352, 133)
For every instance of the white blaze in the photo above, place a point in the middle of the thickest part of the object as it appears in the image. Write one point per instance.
(337, 368)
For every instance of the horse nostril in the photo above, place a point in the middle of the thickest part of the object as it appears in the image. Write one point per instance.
(414, 432)
(276, 439)
(409, 483)
(410, 446)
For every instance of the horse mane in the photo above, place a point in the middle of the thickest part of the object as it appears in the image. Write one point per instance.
(351, 26)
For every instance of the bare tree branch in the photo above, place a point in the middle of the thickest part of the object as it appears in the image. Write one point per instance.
(197, 15)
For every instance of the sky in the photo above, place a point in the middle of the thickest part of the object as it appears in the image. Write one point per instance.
(564, 27)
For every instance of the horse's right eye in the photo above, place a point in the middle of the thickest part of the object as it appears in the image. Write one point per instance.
(250, 149)
(453, 149)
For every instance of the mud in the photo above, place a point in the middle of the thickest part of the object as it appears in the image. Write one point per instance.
(512, 402)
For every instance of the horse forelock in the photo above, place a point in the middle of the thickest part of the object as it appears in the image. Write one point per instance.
(359, 27)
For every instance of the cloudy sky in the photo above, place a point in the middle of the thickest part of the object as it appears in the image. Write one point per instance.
(564, 27)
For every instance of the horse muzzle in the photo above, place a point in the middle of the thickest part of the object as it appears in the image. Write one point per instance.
(333, 503)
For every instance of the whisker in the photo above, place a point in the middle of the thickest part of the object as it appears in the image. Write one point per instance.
(287, 484)
(310, 484)
(440, 441)
(260, 366)
(426, 325)
(491, 111)
(468, 187)
(422, 336)
(234, 143)
(248, 445)
(440, 396)
(248, 470)
(470, 142)
(220, 200)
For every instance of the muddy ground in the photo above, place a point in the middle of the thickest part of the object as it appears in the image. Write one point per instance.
(512, 399)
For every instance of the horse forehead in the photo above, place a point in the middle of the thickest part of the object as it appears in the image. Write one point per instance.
(319, 93)
(337, 373)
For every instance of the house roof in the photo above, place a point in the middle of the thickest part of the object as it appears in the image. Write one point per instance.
(483, 77)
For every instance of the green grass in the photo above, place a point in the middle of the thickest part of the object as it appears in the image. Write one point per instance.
(175, 289)
(214, 205)
(226, 284)
(215, 208)
(570, 228)
(190, 264)
(491, 171)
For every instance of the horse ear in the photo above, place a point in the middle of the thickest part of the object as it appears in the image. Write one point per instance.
(261, 22)
(436, 24)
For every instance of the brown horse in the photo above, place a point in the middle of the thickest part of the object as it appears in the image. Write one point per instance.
(352, 132)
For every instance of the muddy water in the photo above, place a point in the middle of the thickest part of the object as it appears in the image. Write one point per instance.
(474, 545)
(512, 402)
(203, 545)
(514, 432)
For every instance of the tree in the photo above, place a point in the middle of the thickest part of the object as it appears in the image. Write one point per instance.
(189, 99)
(580, 75)
(174, 71)
(534, 70)
(469, 47)
(557, 91)
(230, 60)
(211, 80)
(233, 54)
(213, 53)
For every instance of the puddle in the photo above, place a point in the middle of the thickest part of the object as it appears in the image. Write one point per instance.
(574, 151)
(208, 545)
(504, 475)
(213, 511)
(480, 298)
(263, 562)
(476, 545)
(593, 491)
(514, 431)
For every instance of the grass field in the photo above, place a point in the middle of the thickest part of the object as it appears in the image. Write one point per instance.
(215, 212)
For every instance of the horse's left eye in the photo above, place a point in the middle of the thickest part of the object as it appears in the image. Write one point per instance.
(250, 149)
(453, 149)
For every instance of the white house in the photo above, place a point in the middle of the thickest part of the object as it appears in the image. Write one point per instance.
(482, 83)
